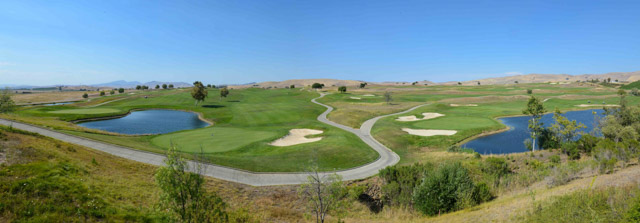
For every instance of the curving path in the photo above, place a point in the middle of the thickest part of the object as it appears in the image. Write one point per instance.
(387, 157)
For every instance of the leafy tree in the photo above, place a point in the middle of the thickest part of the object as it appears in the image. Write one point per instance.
(6, 103)
(199, 92)
(342, 89)
(478, 83)
(138, 87)
(170, 86)
(459, 83)
(85, 95)
(515, 82)
(317, 86)
(112, 92)
(157, 86)
(223, 93)
(362, 85)
(102, 93)
(164, 86)
(529, 91)
(324, 194)
(208, 86)
(564, 129)
(183, 193)
(387, 97)
(535, 109)
(634, 92)
(120, 90)
(292, 86)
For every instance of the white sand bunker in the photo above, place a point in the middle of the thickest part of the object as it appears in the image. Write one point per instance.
(368, 95)
(429, 132)
(463, 105)
(357, 98)
(412, 118)
(297, 136)
(595, 105)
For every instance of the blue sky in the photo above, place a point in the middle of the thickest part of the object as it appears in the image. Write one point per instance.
(86, 42)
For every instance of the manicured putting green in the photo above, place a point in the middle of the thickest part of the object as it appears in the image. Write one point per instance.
(86, 111)
(217, 139)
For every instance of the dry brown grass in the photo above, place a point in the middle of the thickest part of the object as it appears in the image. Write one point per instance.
(485, 99)
(52, 96)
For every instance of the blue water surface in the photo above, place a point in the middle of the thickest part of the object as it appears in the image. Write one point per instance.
(149, 122)
(512, 141)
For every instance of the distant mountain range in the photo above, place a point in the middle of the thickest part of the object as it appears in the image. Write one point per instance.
(114, 84)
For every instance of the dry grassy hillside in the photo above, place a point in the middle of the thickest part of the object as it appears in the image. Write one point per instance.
(301, 83)
(544, 78)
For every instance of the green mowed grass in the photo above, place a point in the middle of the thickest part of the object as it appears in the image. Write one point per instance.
(212, 140)
(245, 123)
(86, 111)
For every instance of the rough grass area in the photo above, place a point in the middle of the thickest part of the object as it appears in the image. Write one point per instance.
(45, 180)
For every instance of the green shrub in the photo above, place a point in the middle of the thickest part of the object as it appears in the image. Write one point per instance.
(450, 188)
(555, 159)
(482, 193)
(400, 182)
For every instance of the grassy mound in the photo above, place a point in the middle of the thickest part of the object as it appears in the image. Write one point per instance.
(632, 85)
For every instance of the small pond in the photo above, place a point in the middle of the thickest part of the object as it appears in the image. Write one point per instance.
(149, 122)
(512, 140)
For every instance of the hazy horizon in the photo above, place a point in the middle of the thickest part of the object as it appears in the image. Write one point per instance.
(219, 42)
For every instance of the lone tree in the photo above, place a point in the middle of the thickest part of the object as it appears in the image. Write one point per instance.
(292, 86)
(112, 92)
(171, 86)
(6, 103)
(102, 93)
(317, 86)
(85, 95)
(529, 91)
(387, 97)
(342, 89)
(324, 193)
(199, 92)
(208, 86)
(164, 86)
(183, 193)
(224, 92)
(362, 85)
(478, 82)
(138, 87)
(157, 86)
(535, 109)
(120, 90)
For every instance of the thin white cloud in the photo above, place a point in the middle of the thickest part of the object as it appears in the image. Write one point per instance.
(513, 73)
(4, 64)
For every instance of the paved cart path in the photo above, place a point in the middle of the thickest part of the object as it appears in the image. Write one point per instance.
(386, 158)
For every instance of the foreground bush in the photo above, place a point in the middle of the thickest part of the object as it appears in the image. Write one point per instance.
(400, 182)
(450, 188)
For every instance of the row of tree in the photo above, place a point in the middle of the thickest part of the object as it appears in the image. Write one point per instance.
(199, 92)
(145, 87)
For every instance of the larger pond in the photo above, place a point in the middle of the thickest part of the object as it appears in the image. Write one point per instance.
(149, 122)
(512, 140)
